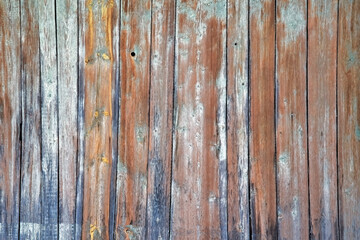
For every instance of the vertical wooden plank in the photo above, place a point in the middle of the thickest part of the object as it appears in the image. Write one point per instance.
(160, 132)
(30, 201)
(322, 39)
(349, 118)
(49, 120)
(99, 76)
(134, 115)
(291, 128)
(67, 48)
(237, 117)
(262, 127)
(10, 118)
(199, 163)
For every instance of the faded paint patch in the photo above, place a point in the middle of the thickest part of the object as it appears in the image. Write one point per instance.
(352, 57)
(292, 16)
(140, 133)
(357, 132)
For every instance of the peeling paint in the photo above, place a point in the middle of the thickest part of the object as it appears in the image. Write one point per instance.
(292, 16)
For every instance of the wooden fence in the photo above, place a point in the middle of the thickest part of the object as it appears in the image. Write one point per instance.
(181, 119)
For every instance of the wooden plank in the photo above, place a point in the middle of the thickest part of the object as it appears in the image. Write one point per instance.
(134, 116)
(322, 38)
(349, 118)
(160, 132)
(198, 208)
(49, 120)
(97, 25)
(237, 119)
(67, 49)
(291, 127)
(30, 201)
(10, 118)
(262, 127)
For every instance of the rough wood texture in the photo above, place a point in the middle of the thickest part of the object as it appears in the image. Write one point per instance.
(133, 140)
(67, 50)
(49, 120)
(262, 120)
(10, 118)
(161, 117)
(199, 162)
(30, 201)
(99, 75)
(349, 118)
(291, 128)
(237, 120)
(322, 38)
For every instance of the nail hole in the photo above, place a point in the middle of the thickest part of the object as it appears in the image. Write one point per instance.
(235, 44)
(133, 54)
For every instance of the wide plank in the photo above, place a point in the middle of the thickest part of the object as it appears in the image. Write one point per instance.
(349, 118)
(161, 117)
(238, 119)
(133, 142)
(10, 118)
(262, 120)
(198, 208)
(291, 125)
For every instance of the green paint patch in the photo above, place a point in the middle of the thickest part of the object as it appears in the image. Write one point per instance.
(284, 158)
(352, 57)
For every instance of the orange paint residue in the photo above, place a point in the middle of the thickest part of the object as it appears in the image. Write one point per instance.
(89, 5)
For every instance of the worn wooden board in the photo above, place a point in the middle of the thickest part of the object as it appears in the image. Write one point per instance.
(30, 201)
(199, 161)
(67, 51)
(49, 120)
(349, 118)
(135, 29)
(161, 118)
(237, 119)
(10, 118)
(291, 124)
(322, 38)
(262, 120)
(100, 17)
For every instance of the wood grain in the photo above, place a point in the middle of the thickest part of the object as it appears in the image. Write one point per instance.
(10, 118)
(199, 161)
(237, 119)
(67, 50)
(262, 120)
(291, 127)
(133, 140)
(349, 118)
(161, 117)
(99, 77)
(30, 201)
(322, 30)
(49, 120)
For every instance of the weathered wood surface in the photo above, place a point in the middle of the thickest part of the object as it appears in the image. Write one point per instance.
(349, 119)
(10, 118)
(186, 119)
(262, 120)
(291, 127)
(322, 39)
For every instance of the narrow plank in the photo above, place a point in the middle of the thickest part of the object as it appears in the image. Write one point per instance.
(99, 77)
(67, 49)
(291, 128)
(49, 120)
(198, 208)
(30, 200)
(160, 132)
(322, 40)
(349, 118)
(237, 117)
(262, 127)
(135, 30)
(10, 118)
